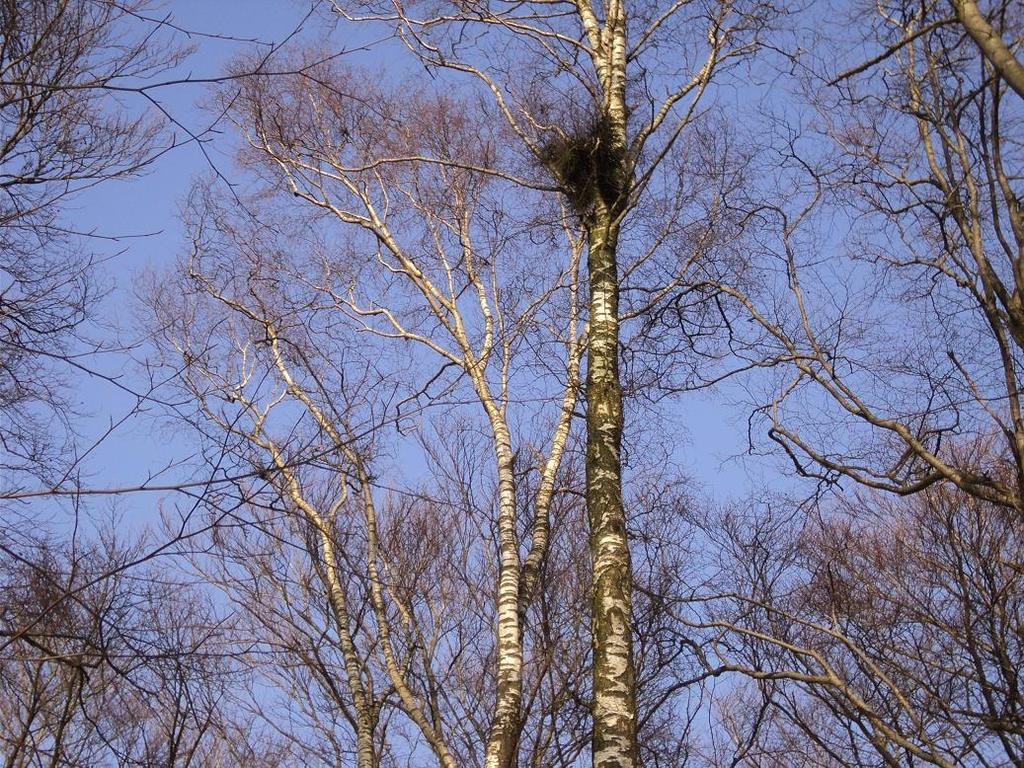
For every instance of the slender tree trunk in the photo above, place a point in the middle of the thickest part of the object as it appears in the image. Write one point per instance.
(364, 720)
(333, 580)
(611, 610)
(503, 739)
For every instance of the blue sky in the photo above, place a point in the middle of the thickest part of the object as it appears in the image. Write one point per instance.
(142, 212)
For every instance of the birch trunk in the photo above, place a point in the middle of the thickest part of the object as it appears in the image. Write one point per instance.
(614, 677)
(614, 709)
(503, 737)
(365, 720)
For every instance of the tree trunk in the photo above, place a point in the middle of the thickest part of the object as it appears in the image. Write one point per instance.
(611, 603)
(503, 739)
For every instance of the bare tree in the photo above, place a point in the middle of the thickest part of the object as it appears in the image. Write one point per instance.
(403, 286)
(881, 630)
(122, 670)
(569, 122)
(266, 326)
(911, 333)
(101, 663)
(359, 163)
(63, 130)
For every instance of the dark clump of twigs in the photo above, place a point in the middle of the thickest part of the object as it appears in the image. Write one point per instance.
(587, 163)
